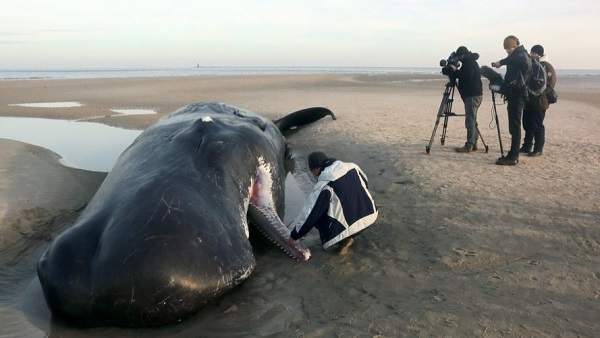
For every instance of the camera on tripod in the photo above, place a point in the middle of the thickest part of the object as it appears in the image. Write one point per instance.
(449, 66)
(452, 60)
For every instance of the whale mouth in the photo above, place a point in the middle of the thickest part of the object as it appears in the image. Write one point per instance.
(270, 225)
(262, 214)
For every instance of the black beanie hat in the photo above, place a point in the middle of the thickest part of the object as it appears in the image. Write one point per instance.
(538, 49)
(462, 50)
(315, 159)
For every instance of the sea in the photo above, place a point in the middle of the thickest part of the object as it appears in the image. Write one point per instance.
(36, 74)
(92, 73)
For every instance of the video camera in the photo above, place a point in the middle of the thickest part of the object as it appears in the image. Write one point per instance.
(453, 59)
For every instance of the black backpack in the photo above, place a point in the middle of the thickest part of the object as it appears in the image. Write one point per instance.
(536, 84)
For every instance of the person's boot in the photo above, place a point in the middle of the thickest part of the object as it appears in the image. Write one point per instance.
(463, 149)
(524, 149)
(507, 161)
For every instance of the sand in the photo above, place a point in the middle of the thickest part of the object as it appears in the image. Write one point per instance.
(462, 247)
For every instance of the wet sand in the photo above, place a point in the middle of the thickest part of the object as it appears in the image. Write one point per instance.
(462, 247)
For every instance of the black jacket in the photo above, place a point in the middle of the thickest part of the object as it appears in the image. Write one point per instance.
(518, 69)
(469, 77)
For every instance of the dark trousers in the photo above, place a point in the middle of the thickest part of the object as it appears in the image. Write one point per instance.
(515, 112)
(535, 132)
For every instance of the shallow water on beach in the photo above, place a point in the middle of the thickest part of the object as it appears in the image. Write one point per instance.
(84, 145)
(22, 307)
(134, 111)
(68, 104)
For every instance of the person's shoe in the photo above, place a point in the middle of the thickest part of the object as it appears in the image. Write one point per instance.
(525, 150)
(465, 149)
(535, 153)
(474, 148)
(507, 161)
(344, 245)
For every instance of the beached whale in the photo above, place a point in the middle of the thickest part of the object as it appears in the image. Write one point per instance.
(167, 231)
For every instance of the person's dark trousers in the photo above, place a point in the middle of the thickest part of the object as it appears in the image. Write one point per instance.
(515, 112)
(535, 132)
(528, 139)
(323, 224)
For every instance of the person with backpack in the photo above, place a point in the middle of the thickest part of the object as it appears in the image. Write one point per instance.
(514, 89)
(471, 92)
(535, 108)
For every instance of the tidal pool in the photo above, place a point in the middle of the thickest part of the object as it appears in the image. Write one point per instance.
(84, 145)
(134, 111)
(67, 104)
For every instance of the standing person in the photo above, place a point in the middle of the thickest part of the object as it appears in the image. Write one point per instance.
(535, 109)
(471, 91)
(518, 67)
(339, 205)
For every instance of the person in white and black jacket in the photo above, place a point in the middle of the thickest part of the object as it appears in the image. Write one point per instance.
(339, 205)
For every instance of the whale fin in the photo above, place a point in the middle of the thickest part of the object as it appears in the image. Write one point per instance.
(301, 118)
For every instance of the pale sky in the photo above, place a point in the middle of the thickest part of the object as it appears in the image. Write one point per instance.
(39, 34)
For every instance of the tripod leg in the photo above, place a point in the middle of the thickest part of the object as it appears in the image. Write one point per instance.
(444, 129)
(437, 122)
(447, 113)
(441, 110)
(497, 123)
(485, 146)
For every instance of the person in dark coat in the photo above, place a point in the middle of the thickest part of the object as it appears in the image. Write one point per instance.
(535, 109)
(518, 69)
(471, 92)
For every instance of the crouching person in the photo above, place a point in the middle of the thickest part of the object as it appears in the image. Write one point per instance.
(339, 206)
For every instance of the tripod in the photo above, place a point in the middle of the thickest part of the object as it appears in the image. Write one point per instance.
(446, 111)
(497, 123)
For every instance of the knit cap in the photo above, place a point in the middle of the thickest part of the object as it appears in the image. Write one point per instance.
(511, 41)
(538, 49)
